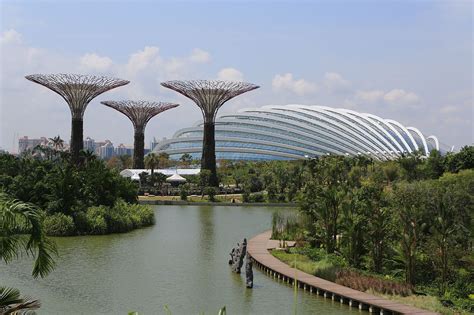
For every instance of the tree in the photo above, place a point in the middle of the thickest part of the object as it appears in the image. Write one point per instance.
(58, 143)
(464, 159)
(22, 231)
(125, 161)
(186, 159)
(449, 202)
(407, 204)
(152, 161)
(164, 160)
(87, 156)
(323, 196)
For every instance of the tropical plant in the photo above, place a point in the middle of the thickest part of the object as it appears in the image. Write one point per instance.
(12, 303)
(22, 231)
(152, 161)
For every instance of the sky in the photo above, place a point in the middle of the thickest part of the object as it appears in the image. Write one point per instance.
(411, 61)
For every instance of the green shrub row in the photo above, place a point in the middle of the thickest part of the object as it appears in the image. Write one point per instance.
(96, 220)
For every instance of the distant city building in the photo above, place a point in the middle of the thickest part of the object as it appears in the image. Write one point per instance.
(25, 143)
(106, 151)
(123, 150)
(89, 144)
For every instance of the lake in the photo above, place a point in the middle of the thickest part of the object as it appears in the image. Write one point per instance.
(181, 263)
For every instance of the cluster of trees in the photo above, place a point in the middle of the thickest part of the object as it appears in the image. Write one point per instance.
(65, 190)
(409, 218)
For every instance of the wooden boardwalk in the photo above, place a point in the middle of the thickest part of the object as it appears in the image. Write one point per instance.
(258, 248)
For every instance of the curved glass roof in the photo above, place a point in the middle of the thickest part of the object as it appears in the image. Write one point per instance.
(285, 132)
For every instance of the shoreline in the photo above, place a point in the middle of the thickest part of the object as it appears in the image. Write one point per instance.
(207, 203)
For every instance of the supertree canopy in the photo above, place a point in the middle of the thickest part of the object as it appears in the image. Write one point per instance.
(209, 95)
(140, 113)
(77, 90)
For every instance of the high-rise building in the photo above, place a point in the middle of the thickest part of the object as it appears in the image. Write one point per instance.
(106, 151)
(89, 144)
(25, 143)
(123, 150)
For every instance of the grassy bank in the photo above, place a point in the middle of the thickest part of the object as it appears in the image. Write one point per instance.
(331, 268)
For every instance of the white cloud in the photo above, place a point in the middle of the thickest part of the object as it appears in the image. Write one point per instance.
(143, 58)
(371, 97)
(286, 82)
(95, 62)
(10, 36)
(334, 82)
(393, 97)
(230, 74)
(200, 56)
(401, 97)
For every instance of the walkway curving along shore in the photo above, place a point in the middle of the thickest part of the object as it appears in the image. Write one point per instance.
(258, 248)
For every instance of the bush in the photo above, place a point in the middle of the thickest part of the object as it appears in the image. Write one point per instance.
(183, 192)
(95, 220)
(211, 193)
(257, 197)
(59, 224)
(358, 281)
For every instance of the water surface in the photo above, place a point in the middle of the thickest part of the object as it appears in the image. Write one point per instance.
(180, 262)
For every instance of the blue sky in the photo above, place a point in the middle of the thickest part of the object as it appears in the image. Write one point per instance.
(405, 60)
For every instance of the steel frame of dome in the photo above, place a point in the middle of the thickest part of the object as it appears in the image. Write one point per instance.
(300, 131)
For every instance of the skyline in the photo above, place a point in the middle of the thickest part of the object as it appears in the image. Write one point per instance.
(411, 62)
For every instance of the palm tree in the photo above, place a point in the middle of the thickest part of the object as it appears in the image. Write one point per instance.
(12, 303)
(21, 230)
(88, 156)
(152, 161)
(58, 143)
(186, 159)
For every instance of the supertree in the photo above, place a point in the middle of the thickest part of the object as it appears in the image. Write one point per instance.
(140, 113)
(209, 96)
(77, 90)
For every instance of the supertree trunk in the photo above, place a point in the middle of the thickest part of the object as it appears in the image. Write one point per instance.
(208, 161)
(77, 144)
(209, 95)
(78, 91)
(139, 150)
(140, 113)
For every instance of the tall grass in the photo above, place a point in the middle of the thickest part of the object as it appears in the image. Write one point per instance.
(287, 225)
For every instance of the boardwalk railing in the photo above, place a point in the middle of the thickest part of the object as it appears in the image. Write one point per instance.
(258, 248)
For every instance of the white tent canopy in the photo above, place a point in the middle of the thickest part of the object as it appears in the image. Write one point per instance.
(134, 174)
(176, 179)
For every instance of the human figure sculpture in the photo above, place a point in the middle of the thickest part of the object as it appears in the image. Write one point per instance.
(248, 272)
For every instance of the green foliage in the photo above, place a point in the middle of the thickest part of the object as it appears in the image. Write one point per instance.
(67, 192)
(211, 193)
(95, 219)
(122, 217)
(184, 192)
(59, 224)
(22, 231)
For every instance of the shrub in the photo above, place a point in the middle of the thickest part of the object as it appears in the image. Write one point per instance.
(59, 224)
(361, 282)
(257, 197)
(183, 193)
(95, 220)
(211, 193)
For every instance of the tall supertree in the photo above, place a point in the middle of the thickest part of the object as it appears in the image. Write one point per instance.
(209, 96)
(140, 113)
(77, 90)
